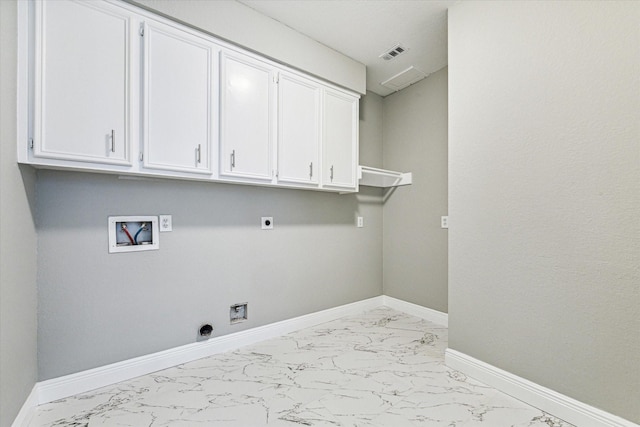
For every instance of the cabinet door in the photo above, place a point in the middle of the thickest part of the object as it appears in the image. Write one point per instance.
(246, 117)
(82, 82)
(177, 102)
(340, 140)
(299, 115)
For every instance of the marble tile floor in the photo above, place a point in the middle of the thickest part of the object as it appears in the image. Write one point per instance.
(380, 368)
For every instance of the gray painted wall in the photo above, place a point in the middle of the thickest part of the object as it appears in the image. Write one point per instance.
(415, 140)
(18, 364)
(246, 27)
(544, 194)
(97, 308)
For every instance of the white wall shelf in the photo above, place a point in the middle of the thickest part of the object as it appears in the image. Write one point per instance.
(374, 177)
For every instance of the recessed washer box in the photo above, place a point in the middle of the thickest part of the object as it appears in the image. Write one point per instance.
(133, 233)
(238, 313)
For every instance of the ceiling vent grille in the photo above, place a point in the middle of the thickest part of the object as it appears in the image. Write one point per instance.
(394, 52)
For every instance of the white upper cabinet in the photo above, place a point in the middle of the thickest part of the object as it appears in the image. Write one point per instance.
(108, 87)
(299, 118)
(178, 116)
(340, 141)
(82, 78)
(247, 117)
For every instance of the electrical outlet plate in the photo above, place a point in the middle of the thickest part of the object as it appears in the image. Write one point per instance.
(267, 223)
(133, 233)
(444, 222)
(166, 223)
(360, 222)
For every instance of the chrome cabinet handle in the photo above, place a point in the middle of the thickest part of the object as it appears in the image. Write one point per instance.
(199, 154)
(311, 170)
(331, 176)
(233, 159)
(113, 141)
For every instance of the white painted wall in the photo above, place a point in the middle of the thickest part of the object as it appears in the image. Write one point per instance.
(18, 353)
(544, 194)
(244, 26)
(415, 140)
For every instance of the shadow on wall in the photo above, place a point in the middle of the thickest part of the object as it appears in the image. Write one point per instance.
(82, 199)
(29, 182)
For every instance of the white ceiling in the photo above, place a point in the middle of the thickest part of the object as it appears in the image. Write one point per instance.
(364, 29)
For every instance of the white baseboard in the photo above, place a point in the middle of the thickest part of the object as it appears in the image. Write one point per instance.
(552, 402)
(69, 385)
(416, 310)
(533, 394)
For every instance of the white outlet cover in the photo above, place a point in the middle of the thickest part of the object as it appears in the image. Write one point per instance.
(166, 224)
(360, 222)
(267, 222)
(444, 222)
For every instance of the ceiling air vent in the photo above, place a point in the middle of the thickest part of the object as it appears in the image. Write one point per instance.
(394, 52)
